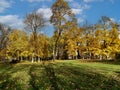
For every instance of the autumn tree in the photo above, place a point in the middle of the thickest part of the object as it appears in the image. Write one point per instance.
(35, 22)
(4, 40)
(70, 39)
(18, 43)
(103, 23)
(42, 49)
(61, 13)
(45, 46)
(114, 40)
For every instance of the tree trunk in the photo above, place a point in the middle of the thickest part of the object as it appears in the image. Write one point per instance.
(100, 57)
(32, 59)
(21, 58)
(54, 54)
(38, 59)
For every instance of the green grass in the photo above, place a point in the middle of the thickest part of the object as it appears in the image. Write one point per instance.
(60, 75)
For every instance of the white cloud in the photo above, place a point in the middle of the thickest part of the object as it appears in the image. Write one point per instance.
(13, 21)
(79, 8)
(69, 0)
(87, 1)
(112, 19)
(86, 6)
(46, 11)
(80, 20)
(77, 11)
(4, 4)
(112, 1)
(76, 5)
(31, 1)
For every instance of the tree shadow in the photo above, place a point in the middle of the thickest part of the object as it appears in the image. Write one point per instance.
(74, 78)
(52, 76)
(50, 73)
(32, 80)
(38, 80)
(112, 62)
(11, 78)
(6, 82)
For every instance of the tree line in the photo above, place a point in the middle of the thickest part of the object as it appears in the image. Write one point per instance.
(69, 40)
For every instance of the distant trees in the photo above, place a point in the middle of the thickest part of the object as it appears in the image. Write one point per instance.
(99, 42)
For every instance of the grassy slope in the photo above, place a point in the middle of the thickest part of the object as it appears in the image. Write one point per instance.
(60, 75)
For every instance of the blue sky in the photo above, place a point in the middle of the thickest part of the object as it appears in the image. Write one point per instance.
(12, 12)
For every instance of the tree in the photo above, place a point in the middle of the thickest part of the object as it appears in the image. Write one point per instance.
(35, 22)
(61, 13)
(104, 23)
(18, 43)
(71, 48)
(4, 40)
(45, 46)
(114, 42)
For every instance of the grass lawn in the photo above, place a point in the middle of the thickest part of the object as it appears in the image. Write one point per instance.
(60, 75)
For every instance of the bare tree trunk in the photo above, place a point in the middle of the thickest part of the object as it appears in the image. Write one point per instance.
(54, 54)
(100, 57)
(83, 58)
(38, 59)
(18, 56)
(21, 58)
(32, 59)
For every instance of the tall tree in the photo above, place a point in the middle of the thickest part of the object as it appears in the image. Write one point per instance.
(35, 22)
(4, 40)
(61, 13)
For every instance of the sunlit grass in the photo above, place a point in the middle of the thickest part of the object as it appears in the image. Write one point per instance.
(62, 75)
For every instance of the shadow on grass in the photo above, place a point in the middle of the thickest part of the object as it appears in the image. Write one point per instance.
(68, 77)
(61, 76)
(5, 81)
(33, 78)
(113, 62)
(13, 77)
(50, 74)
(74, 78)
(43, 78)
(38, 78)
